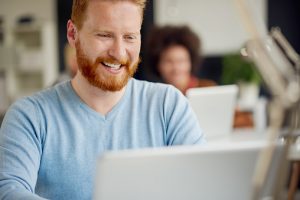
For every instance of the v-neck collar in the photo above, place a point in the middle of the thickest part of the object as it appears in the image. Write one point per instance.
(110, 115)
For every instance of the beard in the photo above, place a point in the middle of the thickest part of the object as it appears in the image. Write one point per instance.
(99, 77)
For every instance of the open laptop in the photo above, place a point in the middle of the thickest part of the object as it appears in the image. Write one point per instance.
(214, 107)
(210, 172)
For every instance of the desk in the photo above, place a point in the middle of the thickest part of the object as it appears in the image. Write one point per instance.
(250, 136)
(247, 136)
(240, 135)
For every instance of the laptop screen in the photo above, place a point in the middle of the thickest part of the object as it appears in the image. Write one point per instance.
(214, 107)
(195, 172)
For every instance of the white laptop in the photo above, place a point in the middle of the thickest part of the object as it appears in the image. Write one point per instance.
(210, 172)
(214, 107)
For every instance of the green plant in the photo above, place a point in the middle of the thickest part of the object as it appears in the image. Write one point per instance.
(237, 69)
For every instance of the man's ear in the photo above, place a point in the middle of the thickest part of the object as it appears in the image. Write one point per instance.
(72, 33)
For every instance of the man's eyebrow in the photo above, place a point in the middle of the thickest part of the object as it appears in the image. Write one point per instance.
(133, 33)
(107, 31)
(101, 30)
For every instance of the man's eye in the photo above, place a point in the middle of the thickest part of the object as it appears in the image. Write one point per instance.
(130, 37)
(103, 35)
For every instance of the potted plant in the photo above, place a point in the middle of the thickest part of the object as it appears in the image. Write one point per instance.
(240, 71)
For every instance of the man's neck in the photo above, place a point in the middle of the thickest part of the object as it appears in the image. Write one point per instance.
(99, 100)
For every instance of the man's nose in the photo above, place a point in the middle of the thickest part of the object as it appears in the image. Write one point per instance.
(117, 50)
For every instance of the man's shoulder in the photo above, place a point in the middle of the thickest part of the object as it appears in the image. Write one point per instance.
(155, 92)
(43, 97)
(152, 86)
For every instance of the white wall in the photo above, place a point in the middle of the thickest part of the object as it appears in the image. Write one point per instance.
(10, 10)
(217, 22)
(42, 8)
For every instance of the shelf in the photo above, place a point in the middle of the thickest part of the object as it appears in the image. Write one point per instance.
(28, 38)
(28, 48)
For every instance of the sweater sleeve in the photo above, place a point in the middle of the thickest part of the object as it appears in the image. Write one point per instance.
(182, 123)
(20, 151)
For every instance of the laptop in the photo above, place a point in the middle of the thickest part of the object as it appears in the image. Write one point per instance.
(214, 107)
(210, 172)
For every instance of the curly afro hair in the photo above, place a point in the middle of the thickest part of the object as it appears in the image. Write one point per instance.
(161, 38)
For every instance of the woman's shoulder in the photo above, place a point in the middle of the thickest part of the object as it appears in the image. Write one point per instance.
(199, 82)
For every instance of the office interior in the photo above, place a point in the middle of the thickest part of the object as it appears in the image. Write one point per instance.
(33, 37)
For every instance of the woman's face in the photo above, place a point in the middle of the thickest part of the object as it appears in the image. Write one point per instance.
(175, 66)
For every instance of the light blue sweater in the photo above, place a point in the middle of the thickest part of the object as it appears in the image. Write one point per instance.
(49, 142)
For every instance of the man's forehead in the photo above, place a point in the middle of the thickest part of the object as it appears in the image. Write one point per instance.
(114, 2)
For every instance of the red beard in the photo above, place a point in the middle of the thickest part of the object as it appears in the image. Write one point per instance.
(98, 77)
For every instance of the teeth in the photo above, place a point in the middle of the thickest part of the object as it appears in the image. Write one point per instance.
(112, 65)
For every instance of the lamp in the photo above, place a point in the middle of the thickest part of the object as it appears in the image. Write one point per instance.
(279, 66)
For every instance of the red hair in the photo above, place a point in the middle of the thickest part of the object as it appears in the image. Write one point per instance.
(79, 9)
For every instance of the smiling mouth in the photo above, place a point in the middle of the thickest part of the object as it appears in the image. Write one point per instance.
(114, 66)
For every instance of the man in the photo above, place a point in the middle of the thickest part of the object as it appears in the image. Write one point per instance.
(49, 143)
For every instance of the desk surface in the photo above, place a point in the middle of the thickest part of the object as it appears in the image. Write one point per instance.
(250, 136)
(240, 135)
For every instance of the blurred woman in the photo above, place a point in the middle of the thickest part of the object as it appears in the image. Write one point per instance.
(174, 55)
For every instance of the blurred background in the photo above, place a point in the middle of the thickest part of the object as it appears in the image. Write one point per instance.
(33, 39)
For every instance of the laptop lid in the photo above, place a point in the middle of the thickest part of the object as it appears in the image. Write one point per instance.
(214, 107)
(211, 172)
